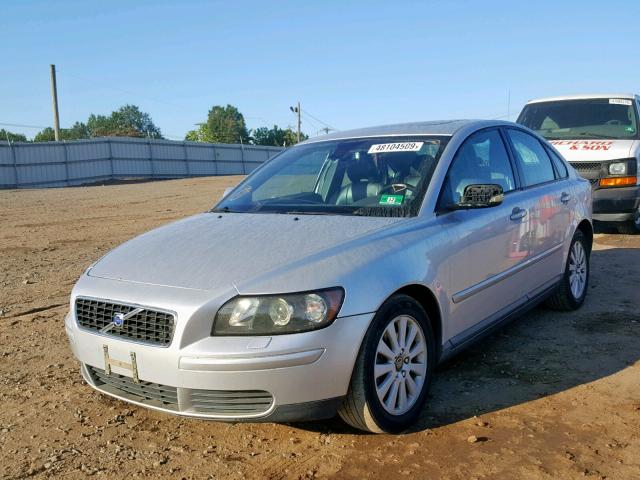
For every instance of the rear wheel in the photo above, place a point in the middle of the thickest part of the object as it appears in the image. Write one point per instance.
(393, 370)
(572, 290)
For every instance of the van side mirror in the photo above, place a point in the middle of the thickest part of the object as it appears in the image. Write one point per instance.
(481, 196)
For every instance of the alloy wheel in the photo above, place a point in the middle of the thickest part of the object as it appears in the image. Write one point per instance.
(577, 270)
(400, 365)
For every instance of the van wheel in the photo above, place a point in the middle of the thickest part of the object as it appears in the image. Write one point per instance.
(393, 371)
(631, 227)
(572, 290)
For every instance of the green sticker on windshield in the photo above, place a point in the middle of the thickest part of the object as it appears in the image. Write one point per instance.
(391, 199)
(630, 129)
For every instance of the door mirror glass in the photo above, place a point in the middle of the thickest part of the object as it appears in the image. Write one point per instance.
(481, 196)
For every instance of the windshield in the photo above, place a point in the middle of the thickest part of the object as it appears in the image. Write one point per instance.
(612, 118)
(385, 176)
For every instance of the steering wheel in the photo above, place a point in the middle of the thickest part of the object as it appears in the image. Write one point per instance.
(613, 122)
(399, 188)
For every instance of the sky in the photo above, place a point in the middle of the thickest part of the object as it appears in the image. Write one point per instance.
(350, 63)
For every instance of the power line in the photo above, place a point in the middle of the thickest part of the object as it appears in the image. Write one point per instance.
(103, 85)
(22, 126)
(128, 92)
(318, 120)
(313, 123)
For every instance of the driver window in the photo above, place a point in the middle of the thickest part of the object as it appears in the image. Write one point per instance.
(482, 159)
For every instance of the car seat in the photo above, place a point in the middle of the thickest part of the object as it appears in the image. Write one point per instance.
(405, 167)
(364, 181)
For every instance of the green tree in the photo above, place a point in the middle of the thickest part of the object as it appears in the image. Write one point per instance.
(276, 136)
(226, 125)
(128, 121)
(78, 131)
(201, 134)
(12, 137)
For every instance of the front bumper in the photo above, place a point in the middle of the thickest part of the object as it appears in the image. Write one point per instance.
(617, 204)
(305, 375)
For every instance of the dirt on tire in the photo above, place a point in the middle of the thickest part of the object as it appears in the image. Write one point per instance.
(554, 395)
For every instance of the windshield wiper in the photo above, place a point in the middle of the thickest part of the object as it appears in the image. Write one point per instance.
(223, 210)
(254, 208)
(596, 135)
(302, 212)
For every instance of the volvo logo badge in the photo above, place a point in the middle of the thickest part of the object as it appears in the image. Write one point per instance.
(118, 319)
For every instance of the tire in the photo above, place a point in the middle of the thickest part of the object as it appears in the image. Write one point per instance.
(566, 298)
(362, 407)
(629, 228)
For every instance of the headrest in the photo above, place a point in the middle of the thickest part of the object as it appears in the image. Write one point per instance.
(400, 162)
(361, 169)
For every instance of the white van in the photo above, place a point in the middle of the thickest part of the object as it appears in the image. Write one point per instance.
(598, 135)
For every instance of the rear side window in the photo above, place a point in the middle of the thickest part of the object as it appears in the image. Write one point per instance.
(532, 157)
(561, 168)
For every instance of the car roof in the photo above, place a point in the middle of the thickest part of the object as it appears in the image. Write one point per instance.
(584, 96)
(438, 127)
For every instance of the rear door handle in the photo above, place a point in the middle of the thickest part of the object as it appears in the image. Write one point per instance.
(518, 214)
(565, 197)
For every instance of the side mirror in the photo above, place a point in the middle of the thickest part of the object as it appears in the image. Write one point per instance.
(481, 196)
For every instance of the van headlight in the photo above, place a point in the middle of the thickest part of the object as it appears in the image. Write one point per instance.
(278, 314)
(618, 168)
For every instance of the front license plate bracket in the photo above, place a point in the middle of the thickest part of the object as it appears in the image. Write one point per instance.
(109, 362)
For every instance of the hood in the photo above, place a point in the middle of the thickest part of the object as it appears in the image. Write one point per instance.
(211, 250)
(581, 150)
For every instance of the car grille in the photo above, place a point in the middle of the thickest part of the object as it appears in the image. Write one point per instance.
(589, 170)
(144, 392)
(147, 326)
(228, 403)
(587, 166)
(219, 402)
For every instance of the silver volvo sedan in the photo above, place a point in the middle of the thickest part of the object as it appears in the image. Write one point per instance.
(337, 276)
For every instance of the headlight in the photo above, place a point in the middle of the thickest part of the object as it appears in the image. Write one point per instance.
(276, 314)
(619, 168)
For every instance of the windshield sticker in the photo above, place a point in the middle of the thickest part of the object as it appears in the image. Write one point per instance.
(391, 199)
(396, 147)
(620, 101)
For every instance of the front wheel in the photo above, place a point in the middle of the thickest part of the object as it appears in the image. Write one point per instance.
(572, 290)
(393, 370)
(631, 227)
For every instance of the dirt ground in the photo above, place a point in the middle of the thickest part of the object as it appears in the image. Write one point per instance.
(551, 396)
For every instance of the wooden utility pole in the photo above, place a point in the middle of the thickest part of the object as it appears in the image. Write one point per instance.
(298, 112)
(299, 121)
(54, 97)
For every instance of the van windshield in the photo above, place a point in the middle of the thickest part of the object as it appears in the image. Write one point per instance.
(608, 118)
(382, 176)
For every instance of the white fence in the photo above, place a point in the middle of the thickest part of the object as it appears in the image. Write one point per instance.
(58, 164)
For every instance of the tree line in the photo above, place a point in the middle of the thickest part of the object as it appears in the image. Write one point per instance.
(224, 124)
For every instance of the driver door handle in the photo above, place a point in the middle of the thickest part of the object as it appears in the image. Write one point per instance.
(565, 197)
(518, 214)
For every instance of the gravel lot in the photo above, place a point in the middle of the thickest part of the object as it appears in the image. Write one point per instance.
(552, 396)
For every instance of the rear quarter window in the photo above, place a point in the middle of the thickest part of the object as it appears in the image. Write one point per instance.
(561, 167)
(533, 160)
